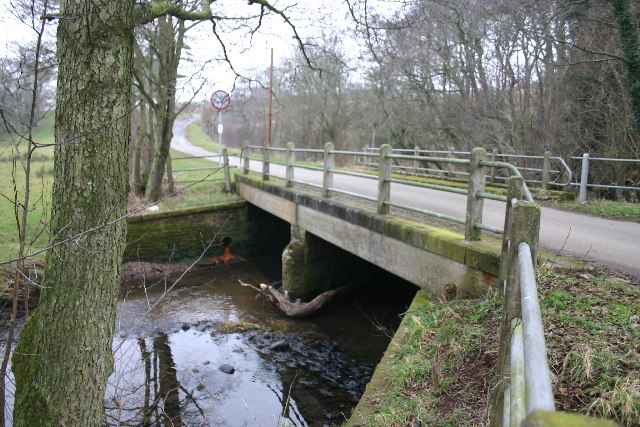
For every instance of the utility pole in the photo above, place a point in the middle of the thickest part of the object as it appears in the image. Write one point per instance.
(270, 113)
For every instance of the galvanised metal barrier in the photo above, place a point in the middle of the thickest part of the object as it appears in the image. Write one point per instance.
(584, 175)
(525, 383)
(223, 161)
(545, 172)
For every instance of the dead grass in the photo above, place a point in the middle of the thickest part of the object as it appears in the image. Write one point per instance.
(593, 339)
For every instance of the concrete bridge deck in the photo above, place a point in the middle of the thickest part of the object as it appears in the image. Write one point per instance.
(436, 259)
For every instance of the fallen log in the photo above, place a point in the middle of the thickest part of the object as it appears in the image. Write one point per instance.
(297, 308)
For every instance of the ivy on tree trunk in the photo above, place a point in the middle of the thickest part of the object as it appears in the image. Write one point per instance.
(629, 45)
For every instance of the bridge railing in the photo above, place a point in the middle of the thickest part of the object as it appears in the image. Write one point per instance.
(544, 170)
(525, 383)
(476, 167)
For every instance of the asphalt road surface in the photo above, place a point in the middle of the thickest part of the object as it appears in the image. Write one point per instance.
(605, 242)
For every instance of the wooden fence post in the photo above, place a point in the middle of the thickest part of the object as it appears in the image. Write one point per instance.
(476, 185)
(327, 176)
(515, 192)
(450, 165)
(384, 186)
(494, 154)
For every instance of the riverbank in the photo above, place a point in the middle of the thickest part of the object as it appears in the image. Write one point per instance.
(440, 365)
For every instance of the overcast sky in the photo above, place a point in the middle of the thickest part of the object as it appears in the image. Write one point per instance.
(247, 54)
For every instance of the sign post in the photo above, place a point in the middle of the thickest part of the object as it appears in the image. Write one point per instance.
(220, 100)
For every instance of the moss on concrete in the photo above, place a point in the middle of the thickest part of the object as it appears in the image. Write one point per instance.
(183, 234)
(302, 277)
(541, 418)
(483, 255)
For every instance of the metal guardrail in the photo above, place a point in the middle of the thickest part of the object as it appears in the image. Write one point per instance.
(545, 171)
(552, 167)
(223, 160)
(526, 381)
(584, 175)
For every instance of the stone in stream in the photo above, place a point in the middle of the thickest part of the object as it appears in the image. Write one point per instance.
(227, 369)
(279, 346)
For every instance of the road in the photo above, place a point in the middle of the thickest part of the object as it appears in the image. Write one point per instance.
(605, 242)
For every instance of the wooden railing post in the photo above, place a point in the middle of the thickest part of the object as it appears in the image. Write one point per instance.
(291, 162)
(246, 151)
(327, 176)
(546, 164)
(227, 174)
(524, 225)
(476, 185)
(265, 161)
(384, 186)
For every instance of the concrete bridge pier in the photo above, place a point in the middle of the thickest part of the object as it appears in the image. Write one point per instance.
(311, 266)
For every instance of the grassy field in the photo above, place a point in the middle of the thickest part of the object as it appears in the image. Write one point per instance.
(196, 135)
(442, 373)
(606, 208)
(13, 186)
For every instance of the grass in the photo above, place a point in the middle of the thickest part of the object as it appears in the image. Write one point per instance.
(199, 194)
(437, 377)
(607, 209)
(592, 324)
(196, 136)
(43, 132)
(13, 190)
(442, 372)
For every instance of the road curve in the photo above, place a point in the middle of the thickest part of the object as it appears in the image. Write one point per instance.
(605, 242)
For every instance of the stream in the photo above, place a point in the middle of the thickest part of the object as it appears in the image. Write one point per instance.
(213, 353)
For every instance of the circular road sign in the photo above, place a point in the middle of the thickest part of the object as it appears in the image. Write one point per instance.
(220, 100)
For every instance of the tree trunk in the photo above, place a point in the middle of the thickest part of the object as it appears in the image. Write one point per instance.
(170, 47)
(631, 51)
(63, 356)
(136, 176)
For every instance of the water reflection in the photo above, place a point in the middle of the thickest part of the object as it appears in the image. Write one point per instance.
(167, 367)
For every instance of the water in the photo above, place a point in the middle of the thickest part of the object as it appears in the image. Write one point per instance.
(167, 361)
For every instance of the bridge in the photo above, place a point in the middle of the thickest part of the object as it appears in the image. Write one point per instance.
(602, 241)
(394, 236)
(441, 261)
